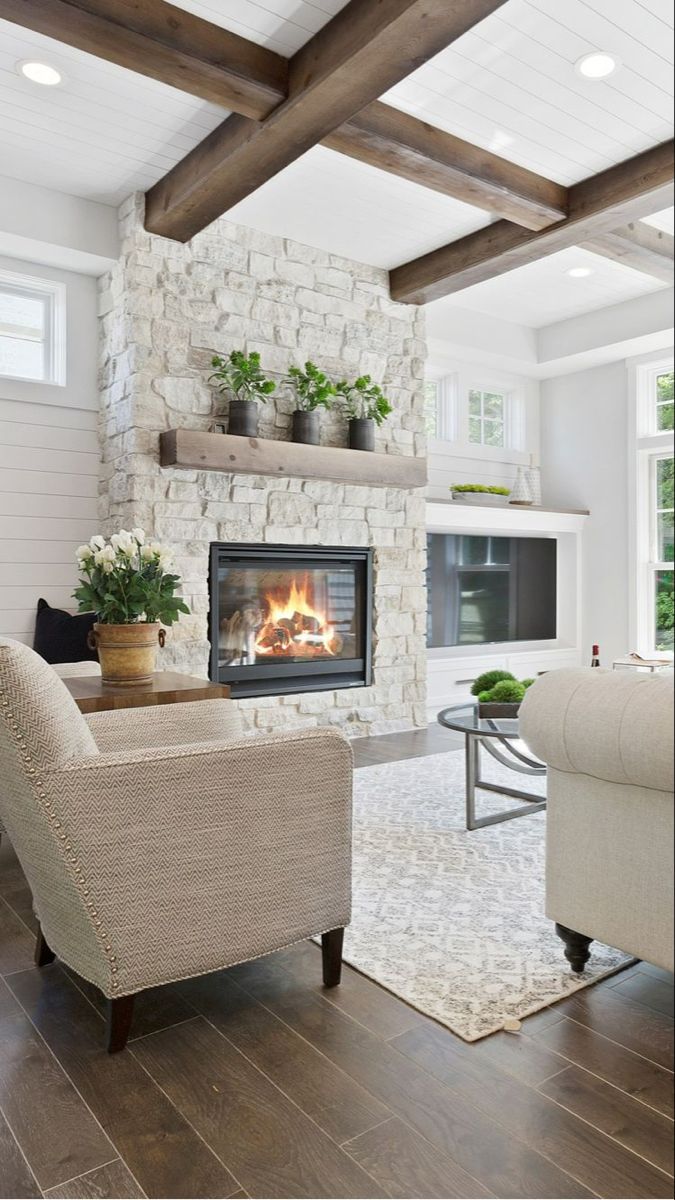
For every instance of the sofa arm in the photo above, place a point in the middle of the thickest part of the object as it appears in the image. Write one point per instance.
(200, 856)
(612, 725)
(128, 729)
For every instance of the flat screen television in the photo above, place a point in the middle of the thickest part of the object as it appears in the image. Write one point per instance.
(490, 589)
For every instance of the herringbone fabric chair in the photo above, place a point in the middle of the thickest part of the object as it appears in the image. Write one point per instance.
(160, 843)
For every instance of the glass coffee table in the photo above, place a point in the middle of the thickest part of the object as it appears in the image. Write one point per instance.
(499, 736)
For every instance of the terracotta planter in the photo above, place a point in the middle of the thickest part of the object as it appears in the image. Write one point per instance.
(306, 428)
(127, 653)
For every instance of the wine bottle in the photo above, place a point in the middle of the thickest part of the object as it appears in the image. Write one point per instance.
(595, 659)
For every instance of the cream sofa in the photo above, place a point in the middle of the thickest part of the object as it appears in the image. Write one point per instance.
(607, 738)
(160, 843)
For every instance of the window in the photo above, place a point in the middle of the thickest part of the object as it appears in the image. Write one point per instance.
(487, 418)
(32, 328)
(661, 587)
(431, 408)
(664, 400)
(655, 509)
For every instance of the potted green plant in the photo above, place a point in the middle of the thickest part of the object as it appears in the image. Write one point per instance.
(129, 583)
(478, 493)
(313, 390)
(241, 376)
(499, 693)
(366, 406)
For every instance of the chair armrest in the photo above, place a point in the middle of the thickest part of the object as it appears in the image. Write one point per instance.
(204, 855)
(128, 729)
(612, 725)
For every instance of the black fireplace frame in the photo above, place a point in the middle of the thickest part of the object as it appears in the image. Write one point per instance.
(283, 679)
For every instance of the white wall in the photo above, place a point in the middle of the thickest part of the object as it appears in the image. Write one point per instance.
(584, 448)
(49, 460)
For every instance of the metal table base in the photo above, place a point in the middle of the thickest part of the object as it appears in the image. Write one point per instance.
(517, 761)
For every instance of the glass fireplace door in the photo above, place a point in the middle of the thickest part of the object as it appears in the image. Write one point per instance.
(289, 619)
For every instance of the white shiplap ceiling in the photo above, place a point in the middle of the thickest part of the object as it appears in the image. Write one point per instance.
(104, 133)
(509, 85)
(356, 211)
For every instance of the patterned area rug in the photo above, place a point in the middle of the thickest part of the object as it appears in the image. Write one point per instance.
(451, 921)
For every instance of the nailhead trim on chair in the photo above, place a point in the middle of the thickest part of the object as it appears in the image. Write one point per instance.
(56, 824)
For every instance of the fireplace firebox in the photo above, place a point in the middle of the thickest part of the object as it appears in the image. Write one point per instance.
(290, 618)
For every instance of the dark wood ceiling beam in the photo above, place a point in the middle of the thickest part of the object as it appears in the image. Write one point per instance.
(384, 137)
(166, 43)
(367, 48)
(639, 246)
(163, 42)
(624, 193)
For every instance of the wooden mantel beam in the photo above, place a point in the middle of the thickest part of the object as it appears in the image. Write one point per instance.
(166, 43)
(394, 141)
(367, 48)
(623, 193)
(639, 246)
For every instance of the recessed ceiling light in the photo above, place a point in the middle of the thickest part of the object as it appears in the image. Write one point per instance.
(580, 272)
(39, 72)
(596, 66)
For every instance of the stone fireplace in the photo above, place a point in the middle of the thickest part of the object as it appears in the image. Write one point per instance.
(165, 310)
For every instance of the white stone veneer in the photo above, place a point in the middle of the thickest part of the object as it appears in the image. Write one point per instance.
(164, 310)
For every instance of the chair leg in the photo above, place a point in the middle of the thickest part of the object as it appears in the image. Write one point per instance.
(118, 1023)
(577, 947)
(331, 952)
(43, 953)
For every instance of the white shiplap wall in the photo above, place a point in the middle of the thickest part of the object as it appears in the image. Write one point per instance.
(49, 460)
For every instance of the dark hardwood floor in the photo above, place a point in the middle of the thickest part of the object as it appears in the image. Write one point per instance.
(257, 1082)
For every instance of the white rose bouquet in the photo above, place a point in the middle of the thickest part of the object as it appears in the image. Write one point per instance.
(128, 580)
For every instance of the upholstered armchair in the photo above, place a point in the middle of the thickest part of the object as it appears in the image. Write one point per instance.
(607, 737)
(160, 843)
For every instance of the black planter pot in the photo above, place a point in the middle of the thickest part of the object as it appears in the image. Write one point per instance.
(491, 708)
(306, 428)
(243, 418)
(362, 433)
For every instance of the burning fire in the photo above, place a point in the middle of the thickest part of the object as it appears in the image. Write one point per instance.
(292, 626)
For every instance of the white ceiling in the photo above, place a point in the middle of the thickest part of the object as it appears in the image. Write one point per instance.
(543, 292)
(103, 134)
(510, 85)
(356, 211)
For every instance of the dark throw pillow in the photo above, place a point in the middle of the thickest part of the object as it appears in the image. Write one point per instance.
(61, 637)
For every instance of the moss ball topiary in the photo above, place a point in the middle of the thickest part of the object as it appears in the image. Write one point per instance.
(485, 697)
(507, 691)
(487, 681)
(528, 683)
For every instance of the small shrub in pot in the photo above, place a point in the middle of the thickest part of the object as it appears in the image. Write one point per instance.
(366, 406)
(240, 375)
(313, 391)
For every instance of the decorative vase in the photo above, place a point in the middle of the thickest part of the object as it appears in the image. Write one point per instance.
(533, 476)
(306, 428)
(243, 418)
(127, 653)
(362, 433)
(520, 492)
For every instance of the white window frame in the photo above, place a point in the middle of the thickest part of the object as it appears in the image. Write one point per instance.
(647, 445)
(482, 418)
(53, 297)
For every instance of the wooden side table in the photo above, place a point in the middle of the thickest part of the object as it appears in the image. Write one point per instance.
(92, 695)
